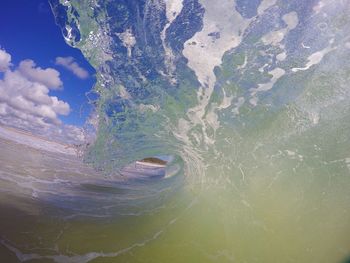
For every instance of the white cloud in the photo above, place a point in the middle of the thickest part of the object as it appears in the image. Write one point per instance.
(5, 60)
(48, 77)
(71, 65)
(25, 101)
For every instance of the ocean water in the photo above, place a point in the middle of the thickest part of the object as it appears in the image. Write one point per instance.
(55, 209)
(248, 100)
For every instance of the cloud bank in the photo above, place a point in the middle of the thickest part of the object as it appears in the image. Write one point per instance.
(25, 101)
(72, 66)
(5, 60)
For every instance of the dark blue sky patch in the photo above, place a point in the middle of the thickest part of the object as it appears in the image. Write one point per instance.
(28, 31)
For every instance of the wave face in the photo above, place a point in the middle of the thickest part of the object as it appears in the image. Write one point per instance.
(252, 96)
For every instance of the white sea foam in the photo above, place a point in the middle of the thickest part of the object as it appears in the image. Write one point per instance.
(276, 73)
(275, 37)
(223, 20)
(281, 56)
(319, 6)
(238, 104)
(315, 58)
(227, 25)
(291, 19)
(173, 9)
(128, 40)
(265, 4)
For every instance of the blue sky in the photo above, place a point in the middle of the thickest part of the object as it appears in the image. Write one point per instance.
(28, 31)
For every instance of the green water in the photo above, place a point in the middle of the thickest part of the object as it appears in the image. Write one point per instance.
(284, 223)
(270, 205)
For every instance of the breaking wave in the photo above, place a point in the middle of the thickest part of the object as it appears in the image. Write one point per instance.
(248, 103)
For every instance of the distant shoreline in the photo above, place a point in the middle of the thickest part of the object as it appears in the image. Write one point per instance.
(36, 141)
